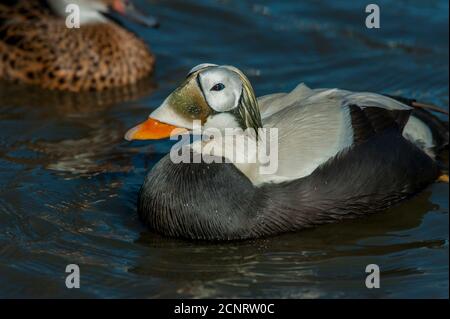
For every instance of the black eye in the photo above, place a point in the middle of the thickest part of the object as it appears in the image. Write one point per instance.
(218, 87)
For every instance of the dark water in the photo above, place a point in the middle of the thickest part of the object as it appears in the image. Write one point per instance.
(68, 181)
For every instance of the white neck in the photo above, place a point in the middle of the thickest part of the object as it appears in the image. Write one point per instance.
(243, 154)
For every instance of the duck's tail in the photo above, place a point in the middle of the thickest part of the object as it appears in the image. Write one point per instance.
(439, 128)
(428, 131)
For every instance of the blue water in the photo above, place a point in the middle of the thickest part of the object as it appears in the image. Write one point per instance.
(69, 182)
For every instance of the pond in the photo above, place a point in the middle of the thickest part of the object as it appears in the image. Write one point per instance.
(69, 181)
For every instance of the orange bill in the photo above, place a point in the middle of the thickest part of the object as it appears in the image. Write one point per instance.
(152, 130)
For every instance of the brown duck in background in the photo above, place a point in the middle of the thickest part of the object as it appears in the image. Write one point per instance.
(37, 48)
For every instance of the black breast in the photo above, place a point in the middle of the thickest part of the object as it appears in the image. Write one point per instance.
(201, 201)
(217, 202)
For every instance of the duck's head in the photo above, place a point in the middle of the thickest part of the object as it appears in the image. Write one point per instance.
(101, 10)
(216, 96)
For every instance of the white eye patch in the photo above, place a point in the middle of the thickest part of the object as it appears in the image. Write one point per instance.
(222, 88)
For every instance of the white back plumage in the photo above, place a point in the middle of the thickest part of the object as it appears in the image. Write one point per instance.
(315, 125)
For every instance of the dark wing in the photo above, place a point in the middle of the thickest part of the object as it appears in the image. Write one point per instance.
(368, 121)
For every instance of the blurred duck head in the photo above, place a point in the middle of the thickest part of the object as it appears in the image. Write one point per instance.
(94, 11)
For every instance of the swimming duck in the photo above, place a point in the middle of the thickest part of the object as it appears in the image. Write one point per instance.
(341, 155)
(37, 48)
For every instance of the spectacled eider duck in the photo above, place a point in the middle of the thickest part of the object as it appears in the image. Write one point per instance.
(37, 48)
(341, 155)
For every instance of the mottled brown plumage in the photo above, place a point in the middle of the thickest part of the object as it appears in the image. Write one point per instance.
(37, 48)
